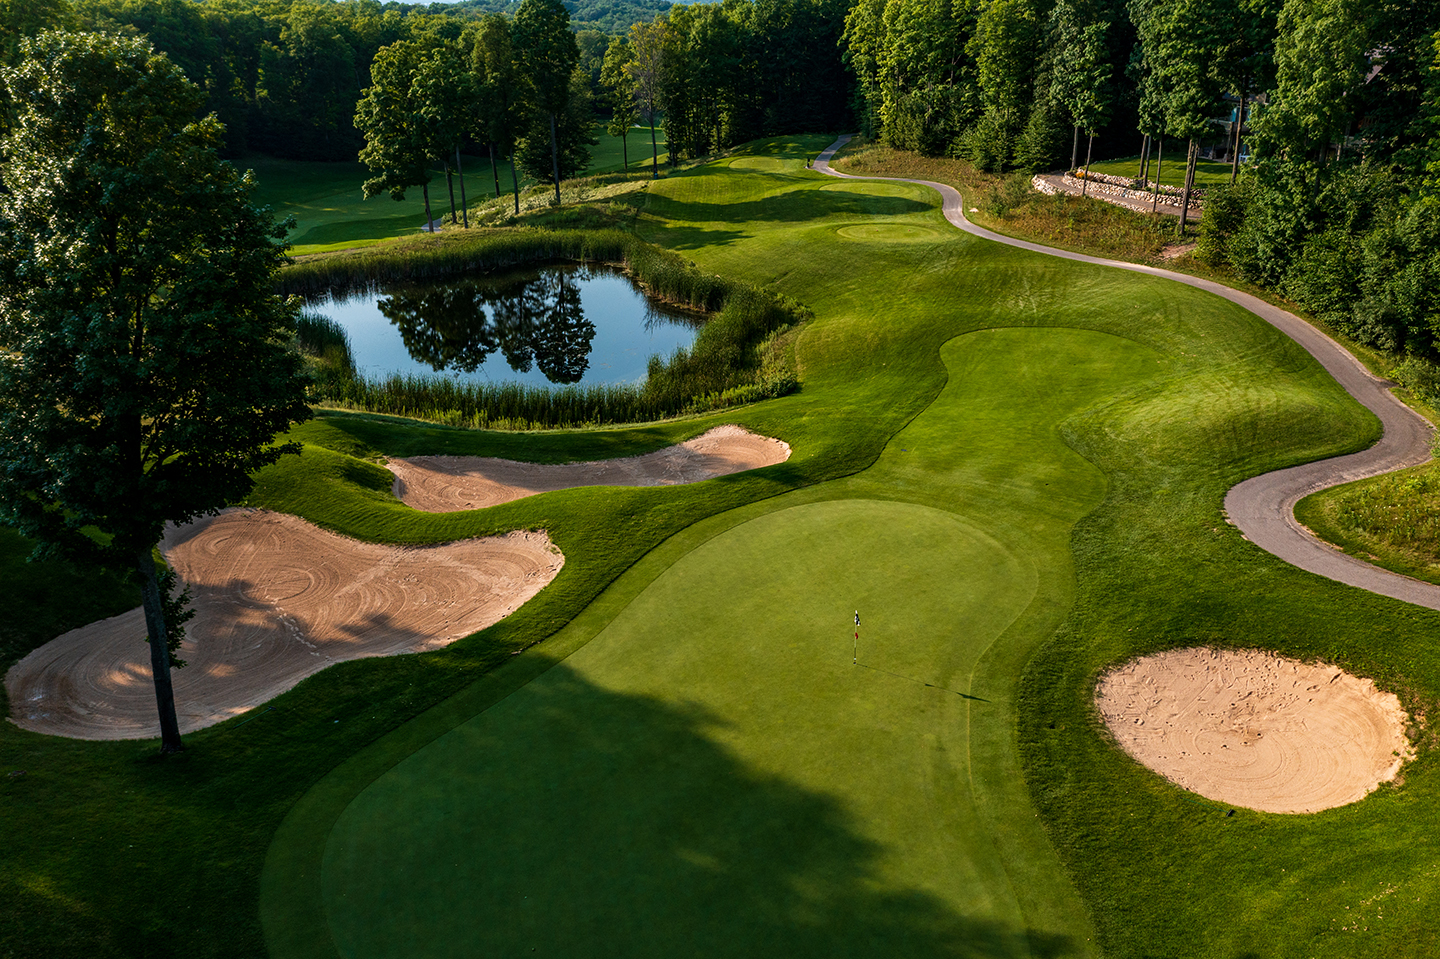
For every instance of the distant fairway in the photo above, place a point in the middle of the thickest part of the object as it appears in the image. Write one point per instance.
(331, 212)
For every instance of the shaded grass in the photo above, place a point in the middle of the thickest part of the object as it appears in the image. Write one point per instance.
(331, 213)
(607, 156)
(329, 208)
(50, 597)
(1392, 521)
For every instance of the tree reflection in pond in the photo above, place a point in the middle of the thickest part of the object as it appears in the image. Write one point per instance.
(531, 320)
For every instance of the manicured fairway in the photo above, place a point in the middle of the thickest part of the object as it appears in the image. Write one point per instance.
(681, 734)
(701, 757)
(713, 768)
(330, 210)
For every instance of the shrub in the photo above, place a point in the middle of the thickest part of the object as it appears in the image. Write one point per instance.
(1015, 191)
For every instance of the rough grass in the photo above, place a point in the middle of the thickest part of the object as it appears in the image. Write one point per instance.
(1392, 520)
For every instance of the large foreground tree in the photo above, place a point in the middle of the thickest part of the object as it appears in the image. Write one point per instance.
(145, 365)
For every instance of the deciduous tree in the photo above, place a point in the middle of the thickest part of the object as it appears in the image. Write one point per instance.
(548, 55)
(620, 86)
(145, 365)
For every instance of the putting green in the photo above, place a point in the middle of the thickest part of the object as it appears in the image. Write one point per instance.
(716, 773)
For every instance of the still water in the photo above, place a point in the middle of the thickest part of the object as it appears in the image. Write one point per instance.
(560, 324)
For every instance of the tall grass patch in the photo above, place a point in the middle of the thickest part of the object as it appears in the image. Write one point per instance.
(1391, 520)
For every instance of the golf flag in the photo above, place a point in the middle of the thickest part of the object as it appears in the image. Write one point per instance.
(857, 617)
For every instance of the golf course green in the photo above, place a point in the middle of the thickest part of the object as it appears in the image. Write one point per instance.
(1013, 466)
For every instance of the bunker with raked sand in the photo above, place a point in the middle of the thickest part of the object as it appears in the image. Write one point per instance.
(1253, 729)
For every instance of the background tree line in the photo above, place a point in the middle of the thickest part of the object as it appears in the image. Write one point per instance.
(284, 76)
(1334, 102)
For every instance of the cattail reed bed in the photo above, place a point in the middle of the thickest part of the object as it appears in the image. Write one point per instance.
(724, 367)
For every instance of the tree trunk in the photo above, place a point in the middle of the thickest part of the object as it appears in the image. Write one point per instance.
(1235, 148)
(494, 171)
(625, 151)
(450, 184)
(1189, 179)
(1075, 147)
(1144, 150)
(1085, 181)
(159, 652)
(654, 151)
(1159, 169)
(464, 203)
(514, 183)
(429, 223)
(555, 157)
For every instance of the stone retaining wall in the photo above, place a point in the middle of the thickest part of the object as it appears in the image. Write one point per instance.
(1124, 187)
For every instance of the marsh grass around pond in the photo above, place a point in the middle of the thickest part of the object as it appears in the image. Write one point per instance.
(733, 359)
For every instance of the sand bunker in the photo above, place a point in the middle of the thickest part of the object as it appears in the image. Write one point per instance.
(276, 600)
(1252, 729)
(445, 484)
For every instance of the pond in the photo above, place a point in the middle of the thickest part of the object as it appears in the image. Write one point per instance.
(557, 324)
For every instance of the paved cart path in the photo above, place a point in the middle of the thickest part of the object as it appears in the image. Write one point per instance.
(1263, 507)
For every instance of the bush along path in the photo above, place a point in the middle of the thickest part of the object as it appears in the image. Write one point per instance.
(1263, 507)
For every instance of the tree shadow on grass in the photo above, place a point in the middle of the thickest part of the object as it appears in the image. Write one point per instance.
(571, 820)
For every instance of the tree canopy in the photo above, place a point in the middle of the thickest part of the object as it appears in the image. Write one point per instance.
(145, 361)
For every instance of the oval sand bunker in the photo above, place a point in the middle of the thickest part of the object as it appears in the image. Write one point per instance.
(1253, 729)
(446, 484)
(276, 599)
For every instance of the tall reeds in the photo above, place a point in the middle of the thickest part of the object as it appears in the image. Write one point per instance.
(722, 368)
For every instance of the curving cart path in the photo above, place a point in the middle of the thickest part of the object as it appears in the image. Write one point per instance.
(1263, 507)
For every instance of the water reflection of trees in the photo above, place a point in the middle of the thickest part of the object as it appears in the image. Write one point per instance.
(534, 320)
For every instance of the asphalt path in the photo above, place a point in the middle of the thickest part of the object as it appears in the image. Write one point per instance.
(1263, 507)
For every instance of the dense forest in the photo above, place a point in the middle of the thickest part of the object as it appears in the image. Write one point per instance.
(607, 17)
(1328, 110)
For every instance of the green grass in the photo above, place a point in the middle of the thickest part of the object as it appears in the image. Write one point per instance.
(331, 212)
(786, 767)
(1208, 173)
(1392, 520)
(608, 156)
(681, 757)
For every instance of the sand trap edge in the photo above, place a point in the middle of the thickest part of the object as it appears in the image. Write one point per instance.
(1346, 736)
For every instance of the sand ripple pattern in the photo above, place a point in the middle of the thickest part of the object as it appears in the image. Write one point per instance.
(446, 484)
(1249, 728)
(277, 599)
